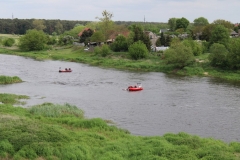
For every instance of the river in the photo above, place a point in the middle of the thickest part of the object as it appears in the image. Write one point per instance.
(196, 105)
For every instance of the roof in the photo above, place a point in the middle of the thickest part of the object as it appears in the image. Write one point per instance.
(79, 34)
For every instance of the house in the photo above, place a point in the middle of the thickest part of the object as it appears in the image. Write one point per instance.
(152, 36)
(233, 34)
(163, 30)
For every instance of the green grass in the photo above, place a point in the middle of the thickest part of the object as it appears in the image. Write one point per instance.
(12, 98)
(33, 133)
(9, 80)
(122, 61)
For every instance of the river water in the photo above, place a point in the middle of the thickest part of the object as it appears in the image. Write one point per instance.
(196, 105)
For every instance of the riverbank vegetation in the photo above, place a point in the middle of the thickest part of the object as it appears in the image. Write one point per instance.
(9, 79)
(215, 56)
(53, 131)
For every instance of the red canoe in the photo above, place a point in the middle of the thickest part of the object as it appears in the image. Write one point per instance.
(65, 70)
(135, 88)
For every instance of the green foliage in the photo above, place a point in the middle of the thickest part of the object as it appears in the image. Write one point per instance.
(220, 35)
(8, 42)
(158, 42)
(74, 32)
(36, 136)
(104, 50)
(179, 55)
(218, 55)
(138, 50)
(54, 110)
(12, 98)
(106, 24)
(162, 39)
(51, 40)
(120, 44)
(225, 23)
(33, 40)
(234, 53)
(194, 45)
(139, 35)
(85, 37)
(182, 23)
(201, 21)
(97, 37)
(9, 80)
(172, 24)
(65, 40)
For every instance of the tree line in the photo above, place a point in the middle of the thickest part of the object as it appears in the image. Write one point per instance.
(20, 26)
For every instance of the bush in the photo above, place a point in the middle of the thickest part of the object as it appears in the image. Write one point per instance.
(218, 55)
(138, 50)
(195, 46)
(179, 55)
(103, 50)
(33, 40)
(120, 44)
(8, 42)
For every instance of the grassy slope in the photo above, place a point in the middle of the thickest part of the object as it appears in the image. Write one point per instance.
(51, 131)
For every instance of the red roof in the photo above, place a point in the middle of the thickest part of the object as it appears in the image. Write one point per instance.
(79, 34)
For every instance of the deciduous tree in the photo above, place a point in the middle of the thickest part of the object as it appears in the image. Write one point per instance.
(33, 40)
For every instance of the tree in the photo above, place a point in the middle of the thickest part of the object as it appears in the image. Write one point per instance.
(220, 35)
(86, 34)
(106, 24)
(139, 35)
(162, 39)
(38, 24)
(172, 24)
(182, 23)
(158, 42)
(207, 31)
(234, 53)
(195, 46)
(138, 50)
(97, 37)
(179, 55)
(218, 55)
(120, 44)
(225, 23)
(59, 28)
(201, 21)
(33, 40)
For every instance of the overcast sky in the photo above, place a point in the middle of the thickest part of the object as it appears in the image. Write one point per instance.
(122, 10)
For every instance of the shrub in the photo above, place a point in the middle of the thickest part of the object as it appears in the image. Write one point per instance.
(218, 55)
(103, 50)
(138, 50)
(179, 55)
(8, 42)
(33, 40)
(120, 44)
(195, 46)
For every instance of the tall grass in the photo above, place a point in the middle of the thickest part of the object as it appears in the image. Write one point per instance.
(39, 133)
(9, 80)
(12, 98)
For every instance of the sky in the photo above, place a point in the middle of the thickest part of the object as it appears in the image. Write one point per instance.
(122, 10)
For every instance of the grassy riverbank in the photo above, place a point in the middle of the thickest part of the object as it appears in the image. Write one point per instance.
(9, 80)
(52, 131)
(120, 60)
